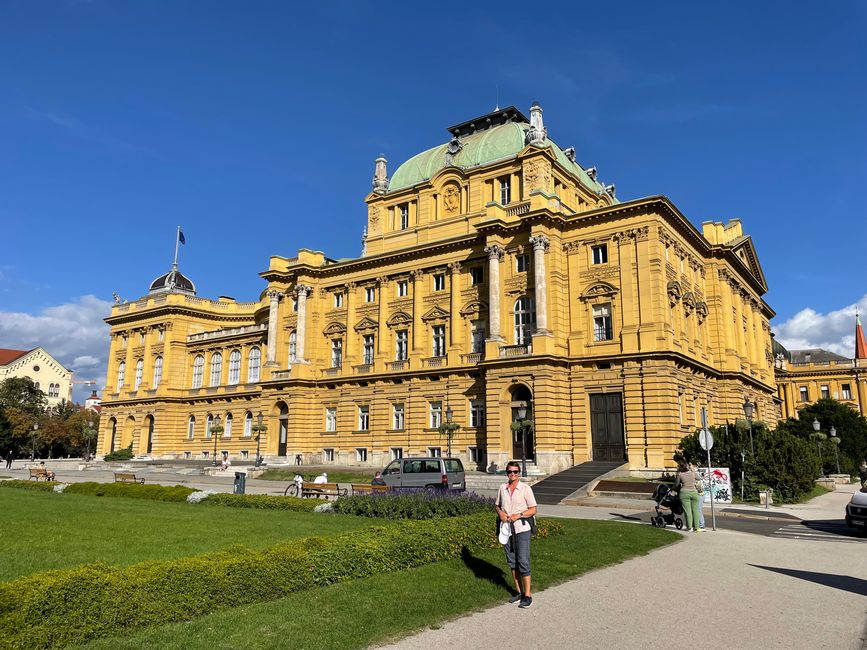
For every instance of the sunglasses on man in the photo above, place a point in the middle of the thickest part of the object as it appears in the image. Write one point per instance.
(513, 471)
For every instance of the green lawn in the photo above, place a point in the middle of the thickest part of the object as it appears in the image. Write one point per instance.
(373, 610)
(44, 530)
(334, 476)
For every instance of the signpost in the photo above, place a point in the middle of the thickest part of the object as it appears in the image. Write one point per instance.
(705, 439)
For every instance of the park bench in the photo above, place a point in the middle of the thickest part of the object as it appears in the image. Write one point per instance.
(364, 488)
(38, 473)
(127, 477)
(322, 490)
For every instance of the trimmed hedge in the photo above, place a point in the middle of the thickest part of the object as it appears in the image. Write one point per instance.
(262, 501)
(415, 504)
(174, 493)
(58, 608)
(41, 486)
(120, 454)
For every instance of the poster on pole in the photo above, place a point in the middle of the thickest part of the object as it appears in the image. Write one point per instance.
(719, 481)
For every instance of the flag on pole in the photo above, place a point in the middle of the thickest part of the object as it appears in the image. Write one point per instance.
(181, 237)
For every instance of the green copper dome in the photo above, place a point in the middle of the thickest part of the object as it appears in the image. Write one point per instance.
(481, 146)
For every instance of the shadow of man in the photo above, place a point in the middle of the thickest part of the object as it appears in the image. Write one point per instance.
(484, 569)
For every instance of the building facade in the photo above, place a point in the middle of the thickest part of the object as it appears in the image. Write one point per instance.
(49, 375)
(497, 273)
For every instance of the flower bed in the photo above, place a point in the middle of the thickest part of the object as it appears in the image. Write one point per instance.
(414, 504)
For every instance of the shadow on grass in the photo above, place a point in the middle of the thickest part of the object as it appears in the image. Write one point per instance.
(485, 570)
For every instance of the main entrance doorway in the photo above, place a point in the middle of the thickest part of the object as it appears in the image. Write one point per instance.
(284, 429)
(606, 426)
(150, 446)
(523, 440)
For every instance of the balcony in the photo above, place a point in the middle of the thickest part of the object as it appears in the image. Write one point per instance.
(602, 333)
(435, 362)
(518, 209)
(363, 369)
(402, 364)
(278, 375)
(511, 351)
(472, 358)
(331, 372)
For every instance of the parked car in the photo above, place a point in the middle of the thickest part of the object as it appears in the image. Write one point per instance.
(429, 472)
(856, 511)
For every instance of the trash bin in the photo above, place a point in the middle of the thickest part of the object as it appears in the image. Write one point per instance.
(766, 497)
(240, 482)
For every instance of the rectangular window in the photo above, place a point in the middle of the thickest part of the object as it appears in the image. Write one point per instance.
(188, 455)
(404, 216)
(338, 300)
(600, 254)
(328, 455)
(294, 304)
(206, 454)
(439, 282)
(336, 353)
(805, 394)
(361, 454)
(331, 419)
(847, 391)
(363, 418)
(402, 288)
(400, 338)
(680, 408)
(161, 334)
(439, 340)
(141, 338)
(477, 274)
(245, 454)
(826, 394)
(368, 348)
(478, 335)
(505, 190)
(476, 455)
(369, 294)
(123, 341)
(398, 417)
(396, 453)
(477, 413)
(436, 414)
(522, 263)
(436, 452)
(602, 322)
(191, 428)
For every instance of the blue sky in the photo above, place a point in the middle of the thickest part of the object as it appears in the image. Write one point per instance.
(237, 120)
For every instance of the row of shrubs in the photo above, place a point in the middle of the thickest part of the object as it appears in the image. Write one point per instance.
(59, 608)
(414, 504)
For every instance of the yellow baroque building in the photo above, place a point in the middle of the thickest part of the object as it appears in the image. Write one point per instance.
(497, 272)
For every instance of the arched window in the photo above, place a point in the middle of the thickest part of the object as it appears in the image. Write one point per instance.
(253, 365)
(234, 367)
(208, 424)
(198, 371)
(139, 371)
(248, 424)
(191, 427)
(227, 430)
(216, 369)
(36, 384)
(293, 346)
(525, 320)
(55, 390)
(158, 371)
(121, 375)
(113, 434)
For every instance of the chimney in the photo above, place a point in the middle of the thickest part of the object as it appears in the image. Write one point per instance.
(380, 176)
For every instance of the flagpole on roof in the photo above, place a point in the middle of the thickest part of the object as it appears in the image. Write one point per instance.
(177, 243)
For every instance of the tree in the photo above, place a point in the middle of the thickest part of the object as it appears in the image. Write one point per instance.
(21, 393)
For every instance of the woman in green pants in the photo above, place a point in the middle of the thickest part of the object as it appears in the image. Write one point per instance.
(685, 482)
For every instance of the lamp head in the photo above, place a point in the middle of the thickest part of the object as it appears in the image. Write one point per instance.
(833, 432)
(216, 420)
(259, 418)
(449, 414)
(748, 409)
(816, 425)
(522, 412)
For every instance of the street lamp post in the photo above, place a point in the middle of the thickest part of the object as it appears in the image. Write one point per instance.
(259, 429)
(743, 462)
(819, 437)
(33, 441)
(748, 414)
(522, 415)
(215, 432)
(87, 437)
(449, 414)
(836, 442)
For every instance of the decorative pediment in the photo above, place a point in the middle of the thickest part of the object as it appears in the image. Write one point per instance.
(701, 311)
(399, 319)
(688, 301)
(674, 292)
(334, 328)
(746, 253)
(437, 313)
(599, 290)
(366, 324)
(474, 308)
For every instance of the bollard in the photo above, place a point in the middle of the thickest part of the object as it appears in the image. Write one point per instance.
(240, 483)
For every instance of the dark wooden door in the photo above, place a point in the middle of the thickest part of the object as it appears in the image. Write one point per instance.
(284, 431)
(606, 426)
(150, 436)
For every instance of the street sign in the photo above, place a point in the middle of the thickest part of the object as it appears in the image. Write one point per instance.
(705, 439)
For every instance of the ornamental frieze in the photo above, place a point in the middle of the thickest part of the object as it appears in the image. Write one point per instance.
(701, 311)
(598, 274)
(517, 284)
(674, 292)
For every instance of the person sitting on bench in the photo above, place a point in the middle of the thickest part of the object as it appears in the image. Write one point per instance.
(48, 473)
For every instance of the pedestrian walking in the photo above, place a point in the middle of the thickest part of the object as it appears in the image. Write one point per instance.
(699, 488)
(685, 484)
(9, 459)
(862, 474)
(516, 505)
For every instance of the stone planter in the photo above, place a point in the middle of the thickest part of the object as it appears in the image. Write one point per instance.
(827, 483)
(841, 479)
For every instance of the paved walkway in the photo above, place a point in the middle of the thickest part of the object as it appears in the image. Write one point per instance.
(739, 590)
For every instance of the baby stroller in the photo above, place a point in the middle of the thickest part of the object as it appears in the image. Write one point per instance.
(668, 508)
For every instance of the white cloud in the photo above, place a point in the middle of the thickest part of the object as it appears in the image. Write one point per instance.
(834, 331)
(74, 333)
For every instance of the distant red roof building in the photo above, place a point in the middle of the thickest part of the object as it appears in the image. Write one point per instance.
(7, 356)
(860, 343)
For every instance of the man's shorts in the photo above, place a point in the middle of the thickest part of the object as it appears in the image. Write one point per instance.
(518, 552)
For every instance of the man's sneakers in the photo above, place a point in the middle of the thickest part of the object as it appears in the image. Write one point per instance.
(517, 598)
(526, 602)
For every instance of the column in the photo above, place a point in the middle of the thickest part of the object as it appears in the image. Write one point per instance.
(495, 254)
(383, 316)
(455, 305)
(349, 344)
(540, 246)
(274, 296)
(301, 293)
(416, 277)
